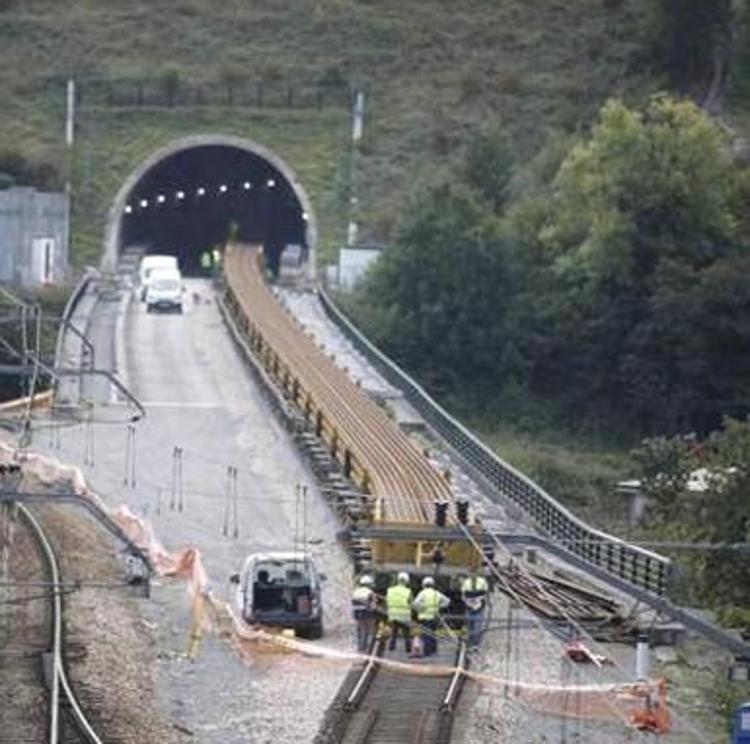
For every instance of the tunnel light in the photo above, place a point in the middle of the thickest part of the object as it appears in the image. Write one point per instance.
(201, 191)
(180, 195)
(223, 188)
(144, 203)
(270, 183)
(304, 216)
(161, 198)
(128, 209)
(247, 185)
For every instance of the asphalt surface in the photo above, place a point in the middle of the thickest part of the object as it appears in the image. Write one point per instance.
(200, 397)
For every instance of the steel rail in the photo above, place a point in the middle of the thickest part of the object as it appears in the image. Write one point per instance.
(418, 714)
(639, 567)
(369, 671)
(399, 475)
(454, 688)
(59, 676)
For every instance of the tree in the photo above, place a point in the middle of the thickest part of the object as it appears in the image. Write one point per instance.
(438, 296)
(489, 166)
(713, 509)
(644, 240)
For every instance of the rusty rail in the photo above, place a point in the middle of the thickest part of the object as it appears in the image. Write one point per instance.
(372, 450)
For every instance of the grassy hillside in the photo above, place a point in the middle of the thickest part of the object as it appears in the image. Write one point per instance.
(434, 71)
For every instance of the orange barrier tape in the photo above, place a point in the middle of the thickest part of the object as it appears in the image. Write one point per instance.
(641, 705)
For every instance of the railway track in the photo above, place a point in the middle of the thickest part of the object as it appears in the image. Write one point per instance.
(372, 450)
(381, 705)
(35, 642)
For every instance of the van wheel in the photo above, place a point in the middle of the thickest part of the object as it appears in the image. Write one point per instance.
(149, 309)
(314, 632)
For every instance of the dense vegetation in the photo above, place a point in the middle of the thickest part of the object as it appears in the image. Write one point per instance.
(706, 483)
(608, 283)
(432, 73)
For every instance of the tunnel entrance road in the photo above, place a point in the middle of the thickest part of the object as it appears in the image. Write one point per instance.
(188, 197)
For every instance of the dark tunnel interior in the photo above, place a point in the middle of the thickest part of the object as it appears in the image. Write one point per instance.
(187, 204)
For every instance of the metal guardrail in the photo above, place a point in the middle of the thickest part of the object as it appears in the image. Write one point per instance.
(75, 297)
(38, 400)
(637, 566)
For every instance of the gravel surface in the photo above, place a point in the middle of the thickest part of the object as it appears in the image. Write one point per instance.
(110, 663)
(24, 635)
(200, 396)
(530, 654)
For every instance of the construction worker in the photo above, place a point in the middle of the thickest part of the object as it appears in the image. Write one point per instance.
(363, 609)
(474, 596)
(427, 605)
(398, 606)
(206, 262)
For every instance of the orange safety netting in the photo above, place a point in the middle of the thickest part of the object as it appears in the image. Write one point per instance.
(641, 705)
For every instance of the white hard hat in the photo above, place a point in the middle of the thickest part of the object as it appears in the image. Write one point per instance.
(365, 580)
(428, 581)
(403, 577)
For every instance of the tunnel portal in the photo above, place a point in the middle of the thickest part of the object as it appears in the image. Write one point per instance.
(189, 202)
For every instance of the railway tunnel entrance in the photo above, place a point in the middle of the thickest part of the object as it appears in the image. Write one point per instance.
(187, 197)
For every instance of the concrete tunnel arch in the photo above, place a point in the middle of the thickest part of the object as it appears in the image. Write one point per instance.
(114, 226)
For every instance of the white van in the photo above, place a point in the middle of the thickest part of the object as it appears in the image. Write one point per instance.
(150, 264)
(164, 290)
(281, 589)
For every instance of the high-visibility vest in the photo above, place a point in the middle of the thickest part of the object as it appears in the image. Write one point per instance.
(363, 600)
(428, 603)
(473, 591)
(398, 603)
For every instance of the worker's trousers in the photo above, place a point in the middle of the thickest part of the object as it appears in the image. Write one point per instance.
(474, 627)
(429, 636)
(404, 628)
(365, 633)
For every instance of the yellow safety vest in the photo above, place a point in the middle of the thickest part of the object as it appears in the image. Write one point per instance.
(428, 603)
(398, 603)
(474, 584)
(473, 591)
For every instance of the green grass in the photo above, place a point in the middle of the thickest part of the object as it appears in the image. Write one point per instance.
(113, 142)
(434, 70)
(579, 472)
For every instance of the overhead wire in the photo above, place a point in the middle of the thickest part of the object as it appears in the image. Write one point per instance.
(690, 728)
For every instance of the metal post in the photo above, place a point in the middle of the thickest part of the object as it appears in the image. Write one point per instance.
(70, 113)
(127, 454)
(88, 450)
(180, 491)
(173, 486)
(70, 132)
(304, 517)
(296, 515)
(227, 498)
(236, 531)
(642, 657)
(129, 457)
(358, 118)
